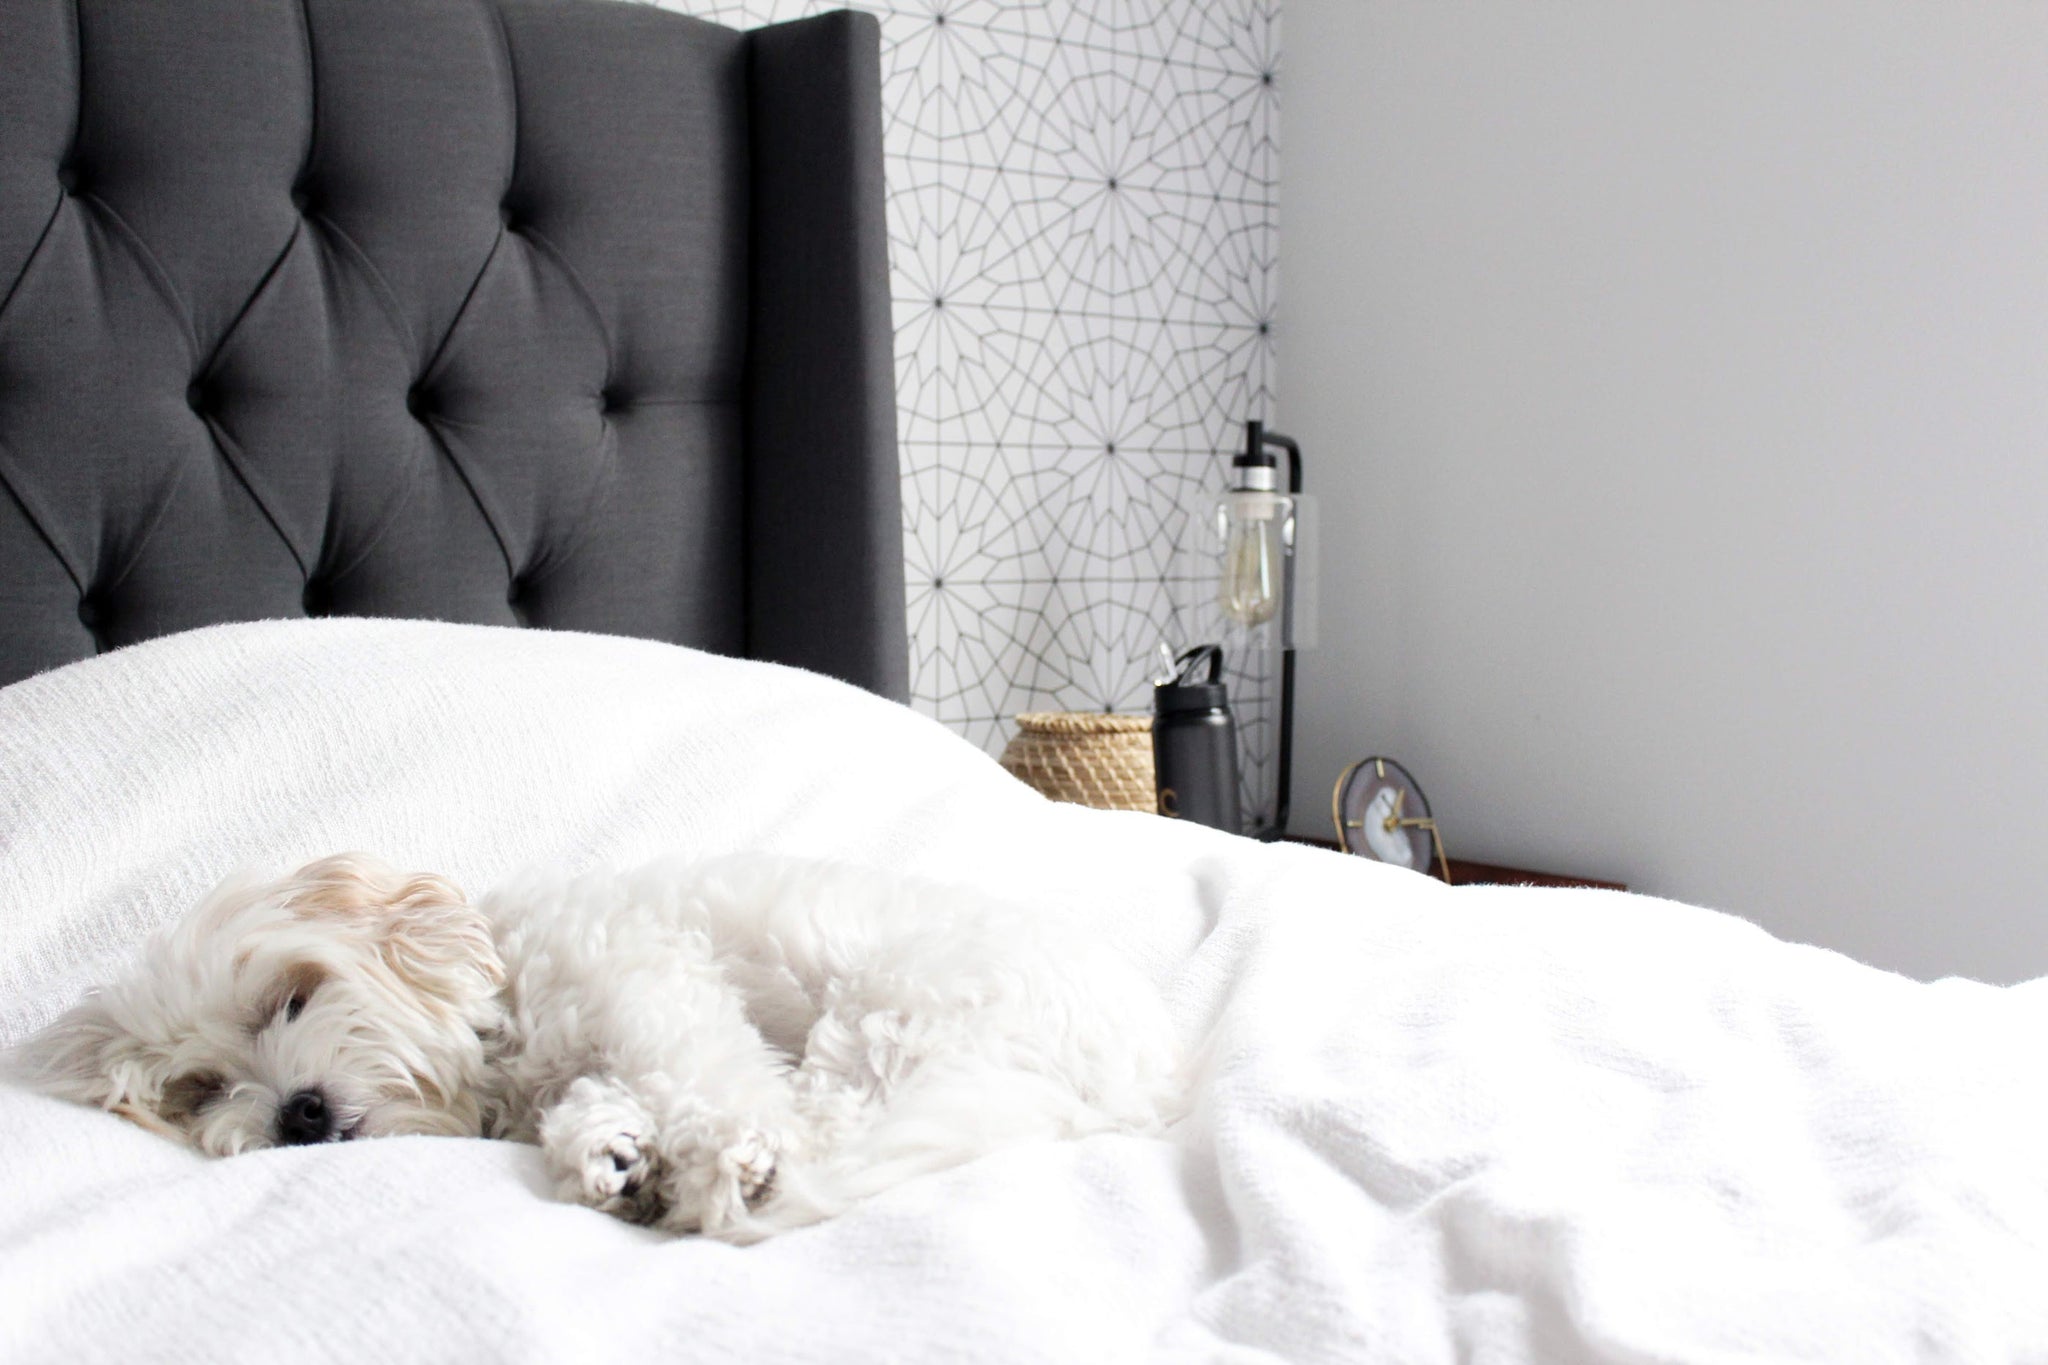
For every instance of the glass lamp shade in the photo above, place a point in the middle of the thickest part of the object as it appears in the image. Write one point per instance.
(1257, 528)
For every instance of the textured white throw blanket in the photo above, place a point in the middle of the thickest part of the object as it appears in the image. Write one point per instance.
(1485, 1125)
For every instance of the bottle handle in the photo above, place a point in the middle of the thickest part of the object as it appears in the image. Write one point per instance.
(1191, 659)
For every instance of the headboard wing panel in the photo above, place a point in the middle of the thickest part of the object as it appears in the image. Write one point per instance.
(824, 534)
(444, 308)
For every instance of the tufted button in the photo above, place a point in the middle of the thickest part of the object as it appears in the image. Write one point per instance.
(200, 396)
(613, 398)
(510, 217)
(71, 176)
(419, 401)
(89, 613)
(304, 200)
(318, 599)
(516, 598)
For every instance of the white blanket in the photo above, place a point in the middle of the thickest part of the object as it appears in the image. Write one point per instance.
(1487, 1125)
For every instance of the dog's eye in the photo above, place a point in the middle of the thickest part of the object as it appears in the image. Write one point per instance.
(188, 1094)
(288, 996)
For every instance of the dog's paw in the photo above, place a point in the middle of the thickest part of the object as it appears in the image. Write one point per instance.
(709, 1187)
(750, 1164)
(615, 1173)
(598, 1151)
(620, 1172)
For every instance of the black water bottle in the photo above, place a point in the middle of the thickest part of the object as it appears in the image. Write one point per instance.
(1194, 743)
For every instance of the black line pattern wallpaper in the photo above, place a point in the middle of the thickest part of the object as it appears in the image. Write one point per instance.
(1082, 206)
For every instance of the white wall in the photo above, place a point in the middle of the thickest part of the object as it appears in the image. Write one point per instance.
(1675, 379)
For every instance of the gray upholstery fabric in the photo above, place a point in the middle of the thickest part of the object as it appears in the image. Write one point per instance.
(558, 312)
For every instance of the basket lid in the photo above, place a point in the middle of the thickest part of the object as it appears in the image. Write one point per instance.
(1082, 723)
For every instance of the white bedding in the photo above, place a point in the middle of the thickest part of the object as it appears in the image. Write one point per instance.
(1486, 1125)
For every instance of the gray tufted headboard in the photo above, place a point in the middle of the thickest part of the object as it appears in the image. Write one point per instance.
(567, 313)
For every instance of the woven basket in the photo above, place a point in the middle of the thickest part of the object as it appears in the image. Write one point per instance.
(1086, 757)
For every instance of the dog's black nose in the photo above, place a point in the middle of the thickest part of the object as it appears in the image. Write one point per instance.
(305, 1118)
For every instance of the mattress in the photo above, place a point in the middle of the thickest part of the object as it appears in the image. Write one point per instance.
(1432, 1124)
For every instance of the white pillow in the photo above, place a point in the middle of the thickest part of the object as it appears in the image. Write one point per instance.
(130, 783)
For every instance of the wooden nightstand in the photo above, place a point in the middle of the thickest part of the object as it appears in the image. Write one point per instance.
(1465, 872)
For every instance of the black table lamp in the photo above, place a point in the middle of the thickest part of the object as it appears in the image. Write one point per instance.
(1260, 525)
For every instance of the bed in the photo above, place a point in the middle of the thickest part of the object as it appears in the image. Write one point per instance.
(461, 429)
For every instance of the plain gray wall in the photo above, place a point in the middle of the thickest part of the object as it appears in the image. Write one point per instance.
(1674, 377)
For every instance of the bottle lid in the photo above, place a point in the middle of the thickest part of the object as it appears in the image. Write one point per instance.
(1207, 696)
(1185, 692)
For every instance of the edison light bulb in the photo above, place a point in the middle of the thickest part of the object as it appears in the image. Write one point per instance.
(1256, 525)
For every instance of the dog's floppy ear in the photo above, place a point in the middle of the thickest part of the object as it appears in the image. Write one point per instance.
(423, 927)
(83, 1055)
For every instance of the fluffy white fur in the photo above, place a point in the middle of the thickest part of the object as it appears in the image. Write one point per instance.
(734, 1048)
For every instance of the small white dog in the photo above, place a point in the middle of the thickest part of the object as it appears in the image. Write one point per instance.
(733, 1048)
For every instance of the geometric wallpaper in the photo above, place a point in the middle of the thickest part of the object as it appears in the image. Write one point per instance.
(1082, 203)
